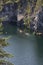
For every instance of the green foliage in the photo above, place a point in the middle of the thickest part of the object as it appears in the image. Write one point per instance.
(6, 38)
(5, 62)
(1, 26)
(38, 5)
(28, 10)
(8, 1)
(26, 20)
(8, 55)
(3, 43)
(3, 53)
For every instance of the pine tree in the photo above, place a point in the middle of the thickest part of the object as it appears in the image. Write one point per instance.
(39, 4)
(1, 27)
(4, 54)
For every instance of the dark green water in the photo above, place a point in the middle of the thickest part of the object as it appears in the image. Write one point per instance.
(27, 50)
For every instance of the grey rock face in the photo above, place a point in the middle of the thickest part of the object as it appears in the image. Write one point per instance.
(37, 23)
(8, 11)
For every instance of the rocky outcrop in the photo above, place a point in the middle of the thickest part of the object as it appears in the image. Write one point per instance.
(36, 25)
(12, 15)
(9, 12)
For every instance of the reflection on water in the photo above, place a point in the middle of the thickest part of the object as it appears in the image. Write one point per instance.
(9, 28)
(26, 50)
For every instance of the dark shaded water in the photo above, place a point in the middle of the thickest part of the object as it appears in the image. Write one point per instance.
(26, 50)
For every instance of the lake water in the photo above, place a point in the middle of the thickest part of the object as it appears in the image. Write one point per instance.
(27, 50)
